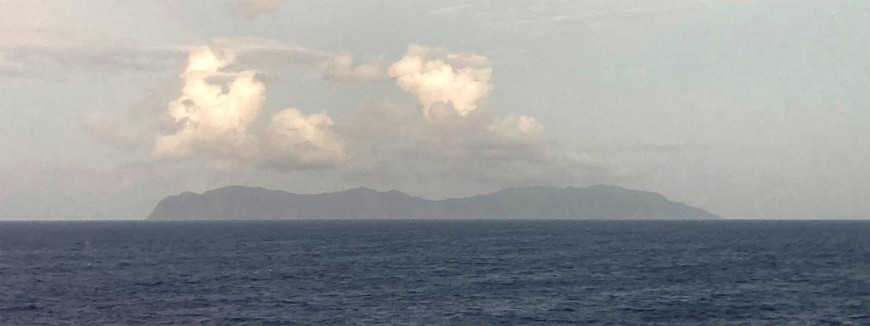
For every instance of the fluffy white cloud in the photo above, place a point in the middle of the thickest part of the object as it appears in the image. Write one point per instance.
(461, 80)
(452, 88)
(215, 114)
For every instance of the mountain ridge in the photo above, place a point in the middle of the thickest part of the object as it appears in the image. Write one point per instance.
(535, 202)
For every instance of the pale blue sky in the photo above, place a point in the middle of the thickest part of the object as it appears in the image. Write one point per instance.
(749, 109)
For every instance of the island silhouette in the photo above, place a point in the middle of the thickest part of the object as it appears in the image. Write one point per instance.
(595, 202)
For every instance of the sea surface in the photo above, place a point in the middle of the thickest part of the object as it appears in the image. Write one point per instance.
(435, 272)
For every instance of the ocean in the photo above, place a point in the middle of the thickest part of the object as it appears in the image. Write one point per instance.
(435, 272)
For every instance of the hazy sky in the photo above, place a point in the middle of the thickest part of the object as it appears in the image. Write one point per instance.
(749, 109)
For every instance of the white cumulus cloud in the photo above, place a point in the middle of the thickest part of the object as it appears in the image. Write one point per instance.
(215, 116)
(435, 76)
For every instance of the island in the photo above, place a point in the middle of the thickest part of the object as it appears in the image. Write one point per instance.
(599, 202)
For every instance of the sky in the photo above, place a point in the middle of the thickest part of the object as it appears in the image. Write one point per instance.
(747, 108)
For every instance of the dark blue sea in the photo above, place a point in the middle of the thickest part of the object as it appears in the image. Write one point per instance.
(435, 272)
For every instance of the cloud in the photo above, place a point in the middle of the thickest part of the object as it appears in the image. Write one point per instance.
(264, 56)
(222, 97)
(450, 138)
(267, 55)
(517, 127)
(452, 89)
(435, 76)
(294, 140)
(254, 8)
(457, 139)
(215, 114)
(345, 69)
(129, 132)
(210, 119)
(53, 62)
(394, 146)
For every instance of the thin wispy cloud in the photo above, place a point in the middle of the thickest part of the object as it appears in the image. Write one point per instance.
(256, 8)
(58, 62)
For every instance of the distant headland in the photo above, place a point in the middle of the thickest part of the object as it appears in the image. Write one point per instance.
(595, 202)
